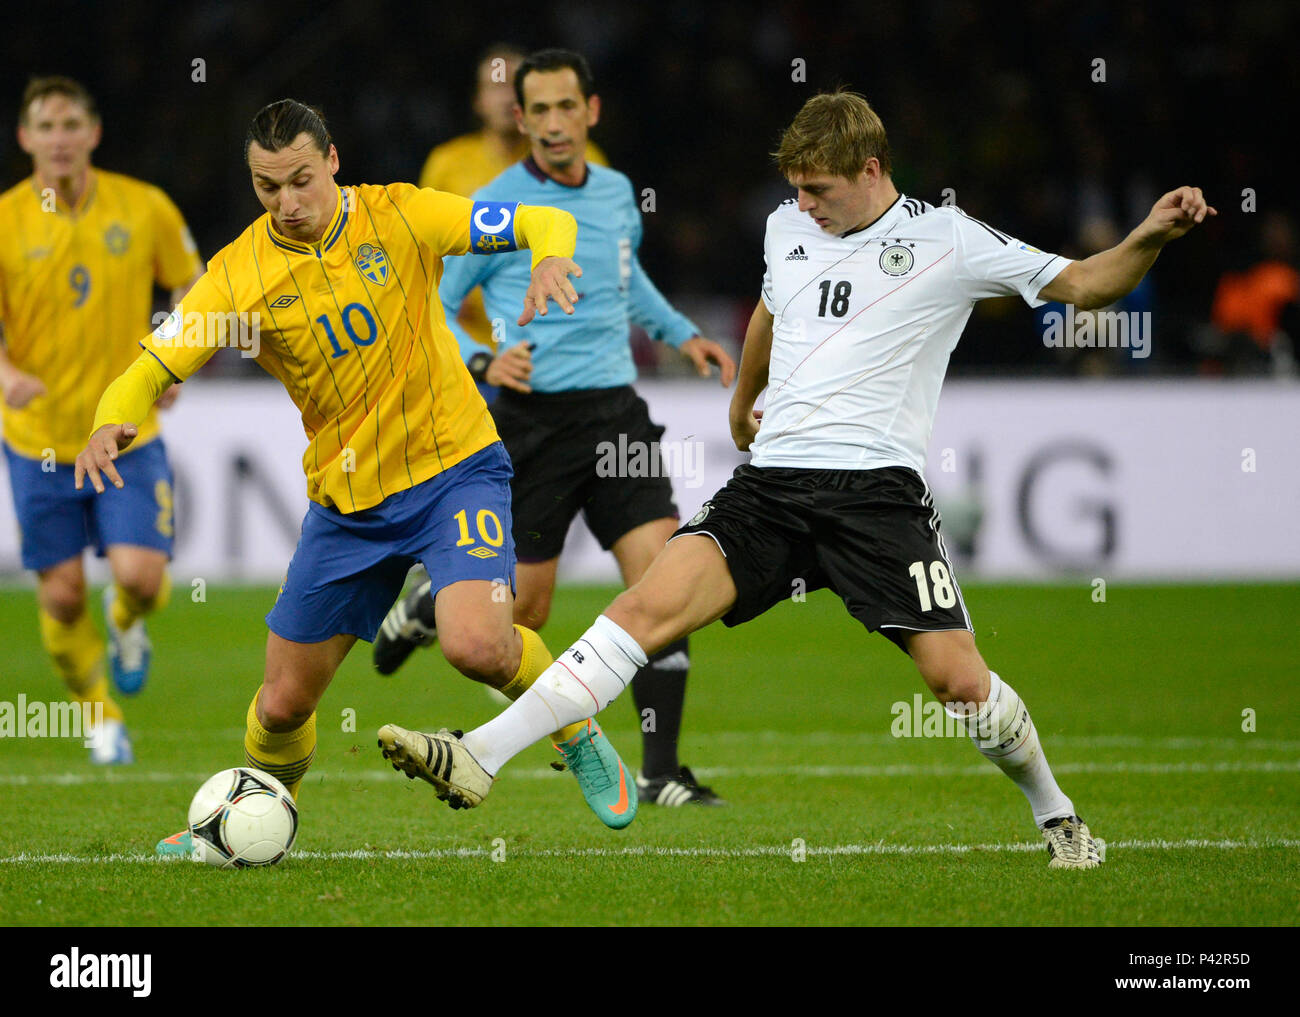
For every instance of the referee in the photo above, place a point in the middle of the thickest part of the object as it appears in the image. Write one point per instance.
(568, 390)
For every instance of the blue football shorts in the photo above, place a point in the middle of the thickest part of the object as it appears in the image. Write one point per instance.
(348, 569)
(58, 522)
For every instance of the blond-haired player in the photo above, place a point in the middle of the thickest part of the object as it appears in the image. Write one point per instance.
(866, 293)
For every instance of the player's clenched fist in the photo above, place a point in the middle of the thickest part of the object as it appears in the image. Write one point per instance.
(550, 282)
(99, 453)
(1176, 213)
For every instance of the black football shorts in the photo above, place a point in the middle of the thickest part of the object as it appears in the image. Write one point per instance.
(870, 536)
(563, 445)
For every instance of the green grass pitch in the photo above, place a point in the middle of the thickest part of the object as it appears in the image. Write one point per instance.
(1139, 700)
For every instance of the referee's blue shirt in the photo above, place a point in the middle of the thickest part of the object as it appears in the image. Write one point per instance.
(588, 349)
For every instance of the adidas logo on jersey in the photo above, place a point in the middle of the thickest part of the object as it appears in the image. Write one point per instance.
(797, 254)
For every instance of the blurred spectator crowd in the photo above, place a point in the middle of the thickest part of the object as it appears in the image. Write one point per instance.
(1058, 123)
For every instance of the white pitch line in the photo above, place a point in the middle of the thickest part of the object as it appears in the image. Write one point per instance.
(988, 770)
(1244, 743)
(111, 777)
(772, 851)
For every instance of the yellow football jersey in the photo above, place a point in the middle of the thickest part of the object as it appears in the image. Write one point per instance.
(353, 329)
(463, 165)
(76, 289)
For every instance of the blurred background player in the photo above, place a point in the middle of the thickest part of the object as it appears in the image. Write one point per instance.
(80, 251)
(464, 164)
(403, 463)
(571, 392)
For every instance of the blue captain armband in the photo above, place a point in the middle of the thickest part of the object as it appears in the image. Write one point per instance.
(492, 227)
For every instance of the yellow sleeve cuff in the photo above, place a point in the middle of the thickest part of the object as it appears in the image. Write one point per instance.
(132, 394)
(547, 232)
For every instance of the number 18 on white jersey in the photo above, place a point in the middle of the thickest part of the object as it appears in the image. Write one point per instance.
(864, 325)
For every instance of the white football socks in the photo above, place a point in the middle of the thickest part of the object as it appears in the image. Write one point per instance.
(584, 679)
(1003, 732)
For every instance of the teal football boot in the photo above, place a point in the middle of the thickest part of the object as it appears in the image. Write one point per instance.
(606, 784)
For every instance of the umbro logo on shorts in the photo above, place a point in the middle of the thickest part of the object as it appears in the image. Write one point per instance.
(797, 254)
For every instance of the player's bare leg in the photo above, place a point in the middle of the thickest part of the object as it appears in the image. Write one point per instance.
(950, 665)
(686, 587)
(413, 620)
(61, 590)
(296, 677)
(659, 688)
(534, 590)
(280, 736)
(77, 651)
(141, 572)
(140, 586)
(477, 635)
(1003, 732)
(637, 549)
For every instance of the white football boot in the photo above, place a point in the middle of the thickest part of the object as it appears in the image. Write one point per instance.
(1071, 845)
(439, 758)
(110, 745)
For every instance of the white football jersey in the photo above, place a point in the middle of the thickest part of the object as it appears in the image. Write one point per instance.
(865, 323)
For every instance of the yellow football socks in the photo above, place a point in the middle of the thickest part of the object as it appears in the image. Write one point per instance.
(285, 755)
(535, 659)
(127, 608)
(78, 654)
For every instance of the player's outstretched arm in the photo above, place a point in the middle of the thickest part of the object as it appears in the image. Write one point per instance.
(1110, 275)
(127, 399)
(755, 358)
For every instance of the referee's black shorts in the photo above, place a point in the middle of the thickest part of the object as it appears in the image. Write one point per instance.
(870, 536)
(556, 441)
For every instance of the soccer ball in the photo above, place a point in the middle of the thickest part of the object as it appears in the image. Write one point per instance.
(242, 817)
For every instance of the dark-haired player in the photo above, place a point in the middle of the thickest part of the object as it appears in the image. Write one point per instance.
(403, 463)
